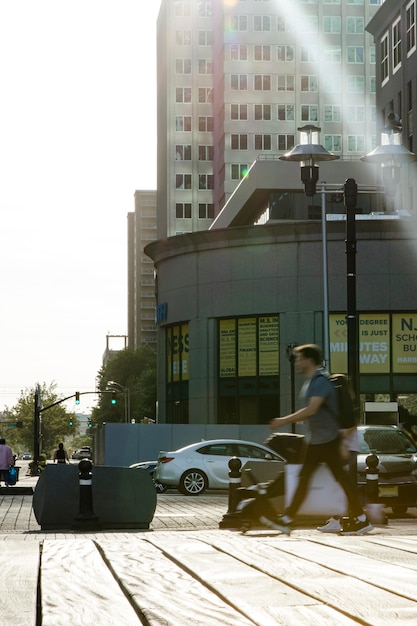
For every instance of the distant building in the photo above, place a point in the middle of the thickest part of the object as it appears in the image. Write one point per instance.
(141, 282)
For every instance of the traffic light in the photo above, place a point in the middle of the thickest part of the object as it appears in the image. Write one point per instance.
(70, 422)
(89, 425)
(113, 397)
(77, 397)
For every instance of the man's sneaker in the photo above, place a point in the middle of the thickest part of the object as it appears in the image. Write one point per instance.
(331, 526)
(277, 524)
(356, 527)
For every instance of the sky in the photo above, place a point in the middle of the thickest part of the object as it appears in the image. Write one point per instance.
(77, 138)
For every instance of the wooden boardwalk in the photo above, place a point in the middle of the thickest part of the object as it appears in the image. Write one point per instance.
(210, 577)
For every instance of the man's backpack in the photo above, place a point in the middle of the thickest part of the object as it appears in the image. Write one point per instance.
(345, 400)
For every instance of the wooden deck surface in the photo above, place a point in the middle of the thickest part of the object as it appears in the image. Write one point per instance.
(211, 577)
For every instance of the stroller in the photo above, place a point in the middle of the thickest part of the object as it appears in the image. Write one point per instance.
(256, 509)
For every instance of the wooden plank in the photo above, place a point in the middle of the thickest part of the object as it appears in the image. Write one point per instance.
(78, 588)
(164, 592)
(261, 597)
(19, 569)
(356, 598)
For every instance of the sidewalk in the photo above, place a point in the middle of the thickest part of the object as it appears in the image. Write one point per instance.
(186, 571)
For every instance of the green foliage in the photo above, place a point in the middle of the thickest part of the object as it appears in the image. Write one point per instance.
(134, 370)
(54, 421)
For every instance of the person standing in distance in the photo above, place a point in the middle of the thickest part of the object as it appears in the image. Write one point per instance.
(61, 455)
(6, 461)
(320, 416)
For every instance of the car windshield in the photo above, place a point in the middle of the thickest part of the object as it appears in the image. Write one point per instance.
(385, 441)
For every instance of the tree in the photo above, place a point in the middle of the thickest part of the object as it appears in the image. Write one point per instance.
(134, 370)
(55, 422)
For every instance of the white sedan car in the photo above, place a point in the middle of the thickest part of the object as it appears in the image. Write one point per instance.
(205, 464)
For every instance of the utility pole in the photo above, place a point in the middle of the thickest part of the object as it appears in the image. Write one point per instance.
(350, 197)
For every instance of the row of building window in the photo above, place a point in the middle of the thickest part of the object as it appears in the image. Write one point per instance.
(184, 210)
(308, 83)
(183, 8)
(184, 181)
(308, 54)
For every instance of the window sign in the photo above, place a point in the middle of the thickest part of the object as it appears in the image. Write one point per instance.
(374, 343)
(404, 343)
(247, 346)
(227, 348)
(177, 353)
(268, 346)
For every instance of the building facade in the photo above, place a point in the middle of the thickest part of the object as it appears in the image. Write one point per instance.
(141, 227)
(236, 80)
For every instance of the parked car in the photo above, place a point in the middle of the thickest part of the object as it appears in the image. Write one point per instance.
(150, 467)
(82, 453)
(397, 454)
(205, 465)
(26, 456)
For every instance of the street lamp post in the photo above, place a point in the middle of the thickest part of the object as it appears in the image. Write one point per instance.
(112, 385)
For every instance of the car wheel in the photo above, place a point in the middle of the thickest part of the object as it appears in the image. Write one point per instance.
(192, 483)
(160, 488)
(400, 509)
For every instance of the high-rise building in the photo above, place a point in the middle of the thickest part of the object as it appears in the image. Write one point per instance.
(237, 78)
(141, 283)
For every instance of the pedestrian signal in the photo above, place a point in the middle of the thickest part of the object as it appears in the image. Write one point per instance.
(77, 397)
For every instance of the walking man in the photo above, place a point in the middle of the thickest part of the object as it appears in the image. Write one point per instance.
(6, 461)
(320, 414)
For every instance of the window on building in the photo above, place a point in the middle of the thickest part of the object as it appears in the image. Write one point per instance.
(308, 54)
(205, 9)
(309, 83)
(332, 54)
(262, 53)
(262, 82)
(331, 83)
(238, 22)
(356, 113)
(372, 113)
(239, 82)
(183, 66)
(396, 45)
(239, 142)
(309, 24)
(205, 181)
(183, 123)
(356, 84)
(205, 66)
(309, 112)
(286, 53)
(263, 142)
(356, 143)
(205, 210)
(205, 123)
(262, 23)
(262, 112)
(286, 112)
(238, 111)
(384, 49)
(183, 181)
(238, 170)
(372, 55)
(182, 152)
(332, 113)
(333, 143)
(286, 142)
(332, 24)
(283, 25)
(355, 25)
(372, 86)
(183, 210)
(182, 8)
(205, 153)
(205, 94)
(331, 1)
(286, 82)
(355, 54)
(238, 52)
(355, 2)
(411, 26)
(205, 37)
(183, 94)
(183, 37)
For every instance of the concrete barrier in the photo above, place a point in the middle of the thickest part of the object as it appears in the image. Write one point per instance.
(122, 497)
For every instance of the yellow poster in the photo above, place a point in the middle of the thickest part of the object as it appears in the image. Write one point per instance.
(268, 346)
(404, 343)
(338, 343)
(247, 346)
(374, 345)
(227, 348)
(177, 353)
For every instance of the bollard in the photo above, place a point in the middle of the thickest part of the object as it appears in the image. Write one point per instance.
(374, 509)
(232, 518)
(86, 520)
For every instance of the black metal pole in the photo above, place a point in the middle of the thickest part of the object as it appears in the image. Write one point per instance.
(350, 197)
(36, 429)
